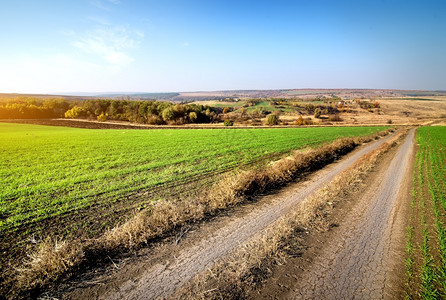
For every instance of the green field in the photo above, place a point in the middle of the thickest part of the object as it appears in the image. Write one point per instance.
(263, 105)
(426, 247)
(56, 171)
(266, 106)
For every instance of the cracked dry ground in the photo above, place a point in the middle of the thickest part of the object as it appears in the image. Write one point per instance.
(163, 269)
(363, 258)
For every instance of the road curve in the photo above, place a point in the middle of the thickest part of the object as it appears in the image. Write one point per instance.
(357, 263)
(162, 280)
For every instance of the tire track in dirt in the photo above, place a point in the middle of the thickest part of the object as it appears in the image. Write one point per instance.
(358, 263)
(162, 279)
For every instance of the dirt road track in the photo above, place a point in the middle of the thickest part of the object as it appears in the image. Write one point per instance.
(358, 263)
(162, 279)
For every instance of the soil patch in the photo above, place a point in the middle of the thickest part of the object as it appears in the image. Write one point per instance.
(306, 268)
(167, 268)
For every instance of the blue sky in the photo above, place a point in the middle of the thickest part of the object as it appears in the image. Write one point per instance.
(162, 46)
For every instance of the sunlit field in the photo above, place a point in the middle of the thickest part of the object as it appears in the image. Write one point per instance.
(426, 262)
(90, 179)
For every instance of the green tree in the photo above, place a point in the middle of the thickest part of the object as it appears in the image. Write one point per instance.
(272, 119)
(168, 114)
(228, 122)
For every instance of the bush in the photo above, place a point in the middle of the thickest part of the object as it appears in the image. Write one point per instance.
(228, 122)
(102, 117)
(308, 121)
(317, 112)
(168, 114)
(335, 118)
(193, 116)
(154, 120)
(75, 112)
(272, 119)
(300, 121)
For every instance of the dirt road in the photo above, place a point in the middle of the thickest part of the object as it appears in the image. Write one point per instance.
(361, 258)
(201, 251)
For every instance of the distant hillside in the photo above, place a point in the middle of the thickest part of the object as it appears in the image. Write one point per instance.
(302, 93)
(422, 93)
(152, 96)
(243, 94)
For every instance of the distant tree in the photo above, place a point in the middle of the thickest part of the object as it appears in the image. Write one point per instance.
(154, 120)
(102, 117)
(335, 118)
(300, 121)
(272, 119)
(228, 122)
(252, 101)
(168, 114)
(258, 112)
(75, 112)
(193, 116)
(317, 113)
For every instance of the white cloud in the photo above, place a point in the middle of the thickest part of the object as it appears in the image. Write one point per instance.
(96, 58)
(139, 33)
(52, 74)
(105, 51)
(111, 44)
(119, 58)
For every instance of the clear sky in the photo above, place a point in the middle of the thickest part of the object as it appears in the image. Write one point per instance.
(188, 45)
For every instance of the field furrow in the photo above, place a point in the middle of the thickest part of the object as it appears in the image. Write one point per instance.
(427, 253)
(76, 184)
(48, 171)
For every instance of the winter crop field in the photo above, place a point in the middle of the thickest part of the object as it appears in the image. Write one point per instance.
(426, 247)
(92, 178)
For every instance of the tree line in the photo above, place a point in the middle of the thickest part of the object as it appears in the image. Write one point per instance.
(145, 112)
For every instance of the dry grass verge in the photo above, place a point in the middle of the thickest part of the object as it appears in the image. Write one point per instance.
(55, 260)
(248, 266)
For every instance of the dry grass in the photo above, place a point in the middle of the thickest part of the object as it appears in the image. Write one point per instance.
(52, 259)
(249, 265)
(59, 259)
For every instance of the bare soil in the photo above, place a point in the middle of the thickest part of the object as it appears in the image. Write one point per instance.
(92, 124)
(361, 256)
(76, 123)
(167, 266)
